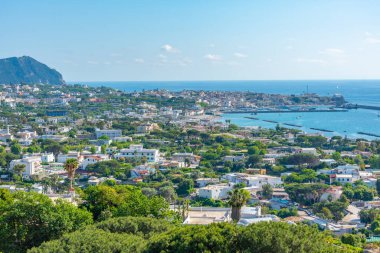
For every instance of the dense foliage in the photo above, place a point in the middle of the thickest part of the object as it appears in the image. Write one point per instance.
(106, 201)
(28, 219)
(150, 235)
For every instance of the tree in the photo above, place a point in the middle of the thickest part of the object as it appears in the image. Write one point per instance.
(253, 160)
(149, 235)
(27, 219)
(237, 198)
(336, 156)
(168, 193)
(378, 186)
(93, 150)
(267, 191)
(300, 159)
(185, 187)
(149, 192)
(375, 162)
(19, 169)
(71, 165)
(122, 201)
(16, 148)
(305, 194)
(367, 216)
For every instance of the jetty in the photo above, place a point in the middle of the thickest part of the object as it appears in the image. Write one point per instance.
(285, 111)
(369, 134)
(270, 121)
(251, 118)
(357, 106)
(321, 129)
(293, 125)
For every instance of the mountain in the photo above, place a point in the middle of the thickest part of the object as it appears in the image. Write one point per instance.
(25, 69)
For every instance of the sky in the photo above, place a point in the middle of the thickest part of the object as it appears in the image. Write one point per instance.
(157, 40)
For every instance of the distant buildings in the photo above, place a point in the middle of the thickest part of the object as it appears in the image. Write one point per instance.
(139, 152)
(256, 181)
(72, 154)
(91, 159)
(110, 133)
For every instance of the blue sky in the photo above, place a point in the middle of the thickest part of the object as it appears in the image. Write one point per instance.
(96, 40)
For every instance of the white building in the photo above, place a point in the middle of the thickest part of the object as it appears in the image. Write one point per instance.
(91, 159)
(138, 152)
(256, 181)
(217, 192)
(45, 157)
(260, 180)
(110, 133)
(341, 178)
(183, 157)
(58, 138)
(311, 151)
(202, 182)
(32, 165)
(233, 158)
(71, 154)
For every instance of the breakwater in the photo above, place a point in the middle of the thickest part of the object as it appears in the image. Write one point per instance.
(369, 134)
(287, 111)
(358, 106)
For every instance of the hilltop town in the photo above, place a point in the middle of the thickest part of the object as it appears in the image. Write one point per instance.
(174, 148)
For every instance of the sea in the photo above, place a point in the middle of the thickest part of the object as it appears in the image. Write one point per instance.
(345, 124)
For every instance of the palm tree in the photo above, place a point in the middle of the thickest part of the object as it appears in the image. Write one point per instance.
(71, 165)
(237, 198)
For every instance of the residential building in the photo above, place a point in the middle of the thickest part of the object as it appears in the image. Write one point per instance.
(32, 165)
(138, 152)
(216, 192)
(71, 154)
(110, 133)
(91, 159)
(202, 182)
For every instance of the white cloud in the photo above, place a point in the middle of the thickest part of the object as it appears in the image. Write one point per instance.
(139, 60)
(333, 51)
(169, 48)
(373, 40)
(213, 57)
(240, 55)
(310, 60)
(115, 54)
(92, 62)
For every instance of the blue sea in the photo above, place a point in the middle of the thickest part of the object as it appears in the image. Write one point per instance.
(366, 92)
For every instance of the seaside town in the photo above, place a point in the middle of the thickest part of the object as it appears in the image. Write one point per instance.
(92, 145)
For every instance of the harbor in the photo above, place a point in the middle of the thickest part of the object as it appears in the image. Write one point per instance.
(353, 123)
